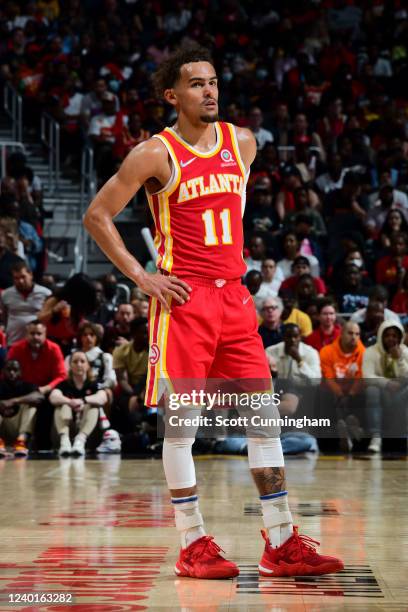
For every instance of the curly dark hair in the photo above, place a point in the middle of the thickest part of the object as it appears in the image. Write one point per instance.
(168, 72)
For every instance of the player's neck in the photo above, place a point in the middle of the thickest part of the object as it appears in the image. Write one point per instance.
(202, 136)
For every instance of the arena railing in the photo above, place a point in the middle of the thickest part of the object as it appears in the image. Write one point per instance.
(13, 107)
(88, 191)
(5, 147)
(50, 137)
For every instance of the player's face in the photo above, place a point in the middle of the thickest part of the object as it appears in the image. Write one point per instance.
(196, 92)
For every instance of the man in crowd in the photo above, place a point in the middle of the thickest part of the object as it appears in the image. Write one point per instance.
(301, 266)
(341, 363)
(42, 364)
(18, 405)
(7, 260)
(271, 328)
(291, 314)
(130, 364)
(385, 370)
(117, 332)
(22, 302)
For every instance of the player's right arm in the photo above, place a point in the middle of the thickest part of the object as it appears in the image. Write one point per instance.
(147, 161)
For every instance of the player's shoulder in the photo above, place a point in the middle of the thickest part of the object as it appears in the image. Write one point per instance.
(244, 135)
(152, 148)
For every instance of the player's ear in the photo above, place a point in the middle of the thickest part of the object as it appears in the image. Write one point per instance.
(170, 96)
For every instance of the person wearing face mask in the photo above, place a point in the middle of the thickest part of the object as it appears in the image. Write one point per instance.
(385, 366)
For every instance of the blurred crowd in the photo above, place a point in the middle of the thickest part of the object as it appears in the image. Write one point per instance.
(322, 85)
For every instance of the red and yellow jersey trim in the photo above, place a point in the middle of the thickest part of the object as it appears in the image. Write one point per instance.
(195, 151)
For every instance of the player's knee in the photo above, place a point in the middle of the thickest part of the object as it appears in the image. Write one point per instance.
(265, 452)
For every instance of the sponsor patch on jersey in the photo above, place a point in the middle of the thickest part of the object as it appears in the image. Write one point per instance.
(154, 354)
(227, 158)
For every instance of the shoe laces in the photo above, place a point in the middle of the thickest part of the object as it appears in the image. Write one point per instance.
(206, 545)
(304, 543)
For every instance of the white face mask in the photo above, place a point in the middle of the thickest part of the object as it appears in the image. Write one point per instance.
(356, 262)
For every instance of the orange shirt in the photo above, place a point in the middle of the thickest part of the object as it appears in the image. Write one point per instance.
(337, 365)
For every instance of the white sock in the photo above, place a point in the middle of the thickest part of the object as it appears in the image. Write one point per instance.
(277, 517)
(81, 436)
(189, 521)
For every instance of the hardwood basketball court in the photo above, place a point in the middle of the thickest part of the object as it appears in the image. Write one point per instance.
(102, 530)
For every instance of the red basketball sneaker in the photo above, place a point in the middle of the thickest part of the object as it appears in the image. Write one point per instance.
(202, 559)
(296, 557)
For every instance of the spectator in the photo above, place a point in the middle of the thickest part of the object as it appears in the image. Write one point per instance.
(92, 103)
(291, 249)
(260, 214)
(303, 211)
(300, 267)
(400, 300)
(341, 363)
(129, 134)
(351, 293)
(257, 252)
(18, 406)
(102, 130)
(89, 340)
(292, 360)
(262, 136)
(381, 210)
(130, 363)
(22, 302)
(305, 292)
(42, 364)
(117, 332)
(374, 316)
(77, 401)
(394, 222)
(291, 314)
(385, 368)
(7, 260)
(390, 268)
(253, 281)
(102, 313)
(378, 293)
(333, 178)
(328, 329)
(271, 281)
(271, 328)
(285, 200)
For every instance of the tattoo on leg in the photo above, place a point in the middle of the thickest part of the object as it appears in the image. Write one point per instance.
(269, 480)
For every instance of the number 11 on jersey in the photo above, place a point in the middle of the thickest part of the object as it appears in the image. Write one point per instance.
(210, 237)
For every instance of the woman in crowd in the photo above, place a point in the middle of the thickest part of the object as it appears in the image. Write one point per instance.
(77, 401)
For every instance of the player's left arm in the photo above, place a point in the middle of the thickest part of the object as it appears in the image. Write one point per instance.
(247, 146)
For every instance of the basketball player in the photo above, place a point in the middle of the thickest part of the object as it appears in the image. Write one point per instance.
(202, 321)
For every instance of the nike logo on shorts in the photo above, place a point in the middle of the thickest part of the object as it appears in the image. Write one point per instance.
(245, 300)
(187, 163)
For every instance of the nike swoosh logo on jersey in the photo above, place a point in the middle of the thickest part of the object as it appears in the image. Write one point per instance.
(190, 161)
(245, 300)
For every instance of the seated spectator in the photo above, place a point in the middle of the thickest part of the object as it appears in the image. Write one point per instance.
(303, 134)
(130, 364)
(313, 313)
(291, 314)
(285, 200)
(297, 367)
(385, 369)
(343, 207)
(18, 406)
(378, 293)
(42, 364)
(328, 329)
(271, 282)
(262, 136)
(374, 316)
(32, 245)
(102, 130)
(291, 249)
(92, 102)
(292, 360)
(399, 199)
(102, 313)
(253, 281)
(67, 308)
(129, 134)
(88, 340)
(117, 331)
(341, 363)
(400, 299)
(305, 292)
(77, 401)
(7, 260)
(260, 215)
(257, 253)
(379, 213)
(271, 328)
(22, 302)
(390, 268)
(394, 222)
(302, 209)
(333, 178)
(300, 267)
(351, 292)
